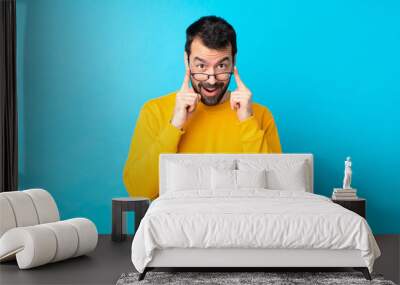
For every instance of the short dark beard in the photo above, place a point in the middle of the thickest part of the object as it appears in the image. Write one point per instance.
(214, 100)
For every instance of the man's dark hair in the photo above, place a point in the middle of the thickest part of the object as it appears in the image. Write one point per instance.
(214, 32)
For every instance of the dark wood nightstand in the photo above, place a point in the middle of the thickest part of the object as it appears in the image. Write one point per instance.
(357, 206)
(120, 206)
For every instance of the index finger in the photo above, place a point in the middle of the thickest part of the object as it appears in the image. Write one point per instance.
(185, 84)
(239, 82)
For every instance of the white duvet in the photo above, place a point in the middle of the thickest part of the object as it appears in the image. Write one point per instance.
(250, 218)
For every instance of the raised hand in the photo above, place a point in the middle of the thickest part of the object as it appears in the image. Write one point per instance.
(185, 102)
(241, 98)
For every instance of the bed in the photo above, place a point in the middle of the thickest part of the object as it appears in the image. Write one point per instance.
(247, 210)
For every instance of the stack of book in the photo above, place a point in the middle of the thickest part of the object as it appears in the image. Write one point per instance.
(344, 194)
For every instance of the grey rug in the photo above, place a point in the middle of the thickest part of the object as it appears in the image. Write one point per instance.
(225, 278)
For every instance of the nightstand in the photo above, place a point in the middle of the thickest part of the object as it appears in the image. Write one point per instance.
(120, 206)
(357, 206)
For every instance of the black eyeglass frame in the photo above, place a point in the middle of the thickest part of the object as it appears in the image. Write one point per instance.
(208, 75)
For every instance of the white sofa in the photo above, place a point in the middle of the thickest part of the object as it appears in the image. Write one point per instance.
(31, 231)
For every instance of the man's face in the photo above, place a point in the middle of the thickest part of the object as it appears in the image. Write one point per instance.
(210, 61)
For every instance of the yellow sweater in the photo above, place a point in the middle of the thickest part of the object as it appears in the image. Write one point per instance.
(212, 129)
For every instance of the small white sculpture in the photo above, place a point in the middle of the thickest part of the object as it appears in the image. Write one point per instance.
(347, 173)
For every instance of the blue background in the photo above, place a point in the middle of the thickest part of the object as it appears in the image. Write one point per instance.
(328, 71)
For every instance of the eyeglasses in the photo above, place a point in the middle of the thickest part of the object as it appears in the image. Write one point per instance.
(223, 76)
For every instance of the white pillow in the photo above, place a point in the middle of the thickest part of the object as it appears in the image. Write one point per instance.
(185, 175)
(223, 179)
(237, 179)
(251, 178)
(290, 179)
(281, 174)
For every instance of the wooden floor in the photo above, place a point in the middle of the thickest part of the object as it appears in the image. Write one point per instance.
(111, 259)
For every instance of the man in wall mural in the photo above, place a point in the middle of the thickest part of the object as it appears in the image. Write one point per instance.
(203, 116)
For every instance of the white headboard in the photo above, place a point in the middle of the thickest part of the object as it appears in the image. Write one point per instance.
(209, 157)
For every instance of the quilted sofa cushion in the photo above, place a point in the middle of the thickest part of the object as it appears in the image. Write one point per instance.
(45, 243)
(26, 208)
